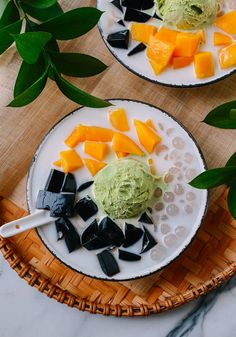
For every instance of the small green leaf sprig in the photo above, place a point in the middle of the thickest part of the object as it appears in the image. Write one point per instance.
(223, 116)
(45, 23)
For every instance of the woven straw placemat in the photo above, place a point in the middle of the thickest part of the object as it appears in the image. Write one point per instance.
(209, 260)
(205, 264)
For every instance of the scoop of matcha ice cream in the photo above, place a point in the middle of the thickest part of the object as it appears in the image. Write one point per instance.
(188, 14)
(123, 188)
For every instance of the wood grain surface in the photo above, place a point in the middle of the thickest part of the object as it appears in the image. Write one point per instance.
(22, 129)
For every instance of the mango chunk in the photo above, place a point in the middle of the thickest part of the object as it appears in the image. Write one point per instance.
(84, 132)
(227, 56)
(57, 163)
(186, 44)
(118, 119)
(70, 160)
(202, 35)
(181, 61)
(141, 32)
(167, 34)
(221, 39)
(147, 137)
(227, 22)
(150, 123)
(204, 65)
(121, 154)
(97, 150)
(122, 143)
(159, 54)
(94, 166)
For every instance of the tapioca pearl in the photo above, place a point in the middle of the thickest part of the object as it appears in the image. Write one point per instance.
(158, 253)
(159, 206)
(161, 148)
(176, 172)
(190, 196)
(165, 228)
(188, 157)
(168, 197)
(172, 210)
(168, 178)
(178, 164)
(175, 155)
(161, 126)
(164, 217)
(190, 173)
(178, 189)
(181, 231)
(158, 192)
(188, 209)
(170, 240)
(178, 143)
(170, 131)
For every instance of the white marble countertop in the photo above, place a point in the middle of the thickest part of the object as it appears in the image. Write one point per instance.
(25, 312)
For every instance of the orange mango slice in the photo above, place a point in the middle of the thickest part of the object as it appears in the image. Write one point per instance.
(202, 35)
(122, 143)
(227, 56)
(118, 119)
(159, 54)
(186, 44)
(221, 39)
(70, 160)
(147, 137)
(141, 32)
(181, 61)
(227, 22)
(84, 132)
(204, 65)
(97, 150)
(167, 35)
(150, 123)
(57, 163)
(94, 166)
(121, 154)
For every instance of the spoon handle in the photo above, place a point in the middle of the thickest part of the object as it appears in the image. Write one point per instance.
(36, 219)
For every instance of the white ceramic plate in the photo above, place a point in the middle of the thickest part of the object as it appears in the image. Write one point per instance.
(139, 63)
(173, 233)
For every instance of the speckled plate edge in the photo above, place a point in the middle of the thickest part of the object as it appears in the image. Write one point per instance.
(104, 278)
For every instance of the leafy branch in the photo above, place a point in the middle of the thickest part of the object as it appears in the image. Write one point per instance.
(224, 116)
(45, 23)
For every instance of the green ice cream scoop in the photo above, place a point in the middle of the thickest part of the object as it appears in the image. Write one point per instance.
(123, 188)
(188, 14)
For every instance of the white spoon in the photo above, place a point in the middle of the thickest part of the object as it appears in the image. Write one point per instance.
(36, 219)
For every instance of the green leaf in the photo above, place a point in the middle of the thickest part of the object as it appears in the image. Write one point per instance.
(28, 75)
(40, 3)
(76, 64)
(77, 95)
(31, 92)
(232, 199)
(30, 45)
(232, 160)
(214, 177)
(72, 24)
(222, 116)
(232, 114)
(10, 15)
(43, 14)
(3, 5)
(5, 38)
